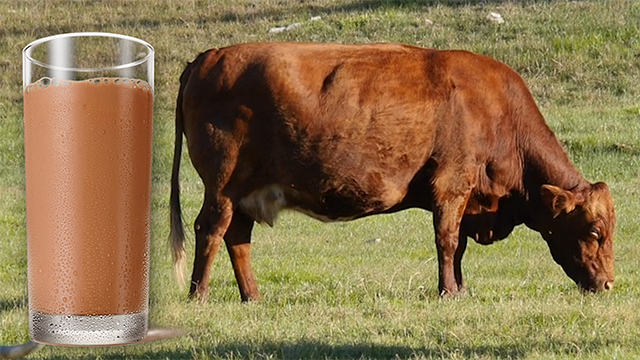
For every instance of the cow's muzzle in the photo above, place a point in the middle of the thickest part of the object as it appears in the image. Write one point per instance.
(598, 286)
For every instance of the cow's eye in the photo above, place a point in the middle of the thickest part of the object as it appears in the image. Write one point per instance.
(595, 233)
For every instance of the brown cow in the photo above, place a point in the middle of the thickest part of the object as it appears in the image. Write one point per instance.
(340, 132)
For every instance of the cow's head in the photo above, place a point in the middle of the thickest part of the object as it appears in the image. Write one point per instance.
(579, 231)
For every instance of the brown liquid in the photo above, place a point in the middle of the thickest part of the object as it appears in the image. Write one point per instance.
(88, 180)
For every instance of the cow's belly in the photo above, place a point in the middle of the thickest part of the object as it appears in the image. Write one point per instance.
(265, 203)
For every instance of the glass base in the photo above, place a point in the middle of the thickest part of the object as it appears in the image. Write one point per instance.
(87, 330)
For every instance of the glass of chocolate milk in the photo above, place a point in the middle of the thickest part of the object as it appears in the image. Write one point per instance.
(88, 124)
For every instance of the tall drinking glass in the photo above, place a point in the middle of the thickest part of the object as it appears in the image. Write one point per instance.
(88, 119)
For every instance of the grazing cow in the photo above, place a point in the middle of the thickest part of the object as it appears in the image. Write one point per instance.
(340, 132)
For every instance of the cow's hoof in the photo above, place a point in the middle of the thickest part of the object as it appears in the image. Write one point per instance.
(250, 299)
(453, 294)
(200, 298)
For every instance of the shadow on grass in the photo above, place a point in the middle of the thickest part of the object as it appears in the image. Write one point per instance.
(252, 13)
(370, 4)
(358, 6)
(603, 148)
(12, 304)
(310, 349)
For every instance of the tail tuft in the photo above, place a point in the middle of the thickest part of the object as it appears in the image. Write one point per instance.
(178, 249)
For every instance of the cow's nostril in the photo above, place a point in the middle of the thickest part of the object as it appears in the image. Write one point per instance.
(608, 285)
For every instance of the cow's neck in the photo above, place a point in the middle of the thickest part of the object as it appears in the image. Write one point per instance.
(545, 162)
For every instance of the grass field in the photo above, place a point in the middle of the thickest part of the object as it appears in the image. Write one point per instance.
(329, 291)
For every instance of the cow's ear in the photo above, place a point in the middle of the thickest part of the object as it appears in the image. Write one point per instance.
(557, 200)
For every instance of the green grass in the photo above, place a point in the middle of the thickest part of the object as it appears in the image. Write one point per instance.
(329, 292)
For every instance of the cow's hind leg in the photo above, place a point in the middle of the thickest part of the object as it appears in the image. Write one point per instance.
(238, 241)
(210, 226)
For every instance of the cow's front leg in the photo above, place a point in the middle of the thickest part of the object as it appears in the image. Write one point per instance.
(238, 240)
(447, 218)
(457, 264)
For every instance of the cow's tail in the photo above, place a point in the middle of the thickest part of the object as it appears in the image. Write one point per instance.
(177, 229)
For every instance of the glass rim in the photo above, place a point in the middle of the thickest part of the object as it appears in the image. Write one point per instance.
(27, 51)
